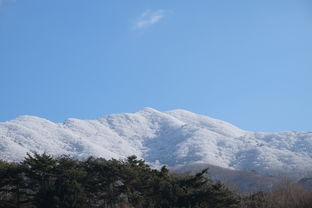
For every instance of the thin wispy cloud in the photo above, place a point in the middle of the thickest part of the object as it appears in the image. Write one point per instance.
(149, 17)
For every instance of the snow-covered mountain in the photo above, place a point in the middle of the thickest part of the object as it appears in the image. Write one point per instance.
(173, 138)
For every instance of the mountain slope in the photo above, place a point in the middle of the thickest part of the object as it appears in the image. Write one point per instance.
(173, 138)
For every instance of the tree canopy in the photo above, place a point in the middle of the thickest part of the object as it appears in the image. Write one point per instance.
(43, 181)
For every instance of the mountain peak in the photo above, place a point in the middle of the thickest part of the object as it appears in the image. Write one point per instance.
(28, 117)
(31, 119)
(149, 110)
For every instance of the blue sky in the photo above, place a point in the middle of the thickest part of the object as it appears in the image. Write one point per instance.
(245, 62)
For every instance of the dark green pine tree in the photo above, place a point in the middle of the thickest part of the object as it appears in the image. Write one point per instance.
(41, 176)
(92, 182)
(218, 196)
(103, 183)
(158, 191)
(12, 185)
(136, 175)
(68, 188)
(198, 191)
(113, 185)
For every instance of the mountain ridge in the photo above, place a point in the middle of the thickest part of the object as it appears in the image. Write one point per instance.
(173, 138)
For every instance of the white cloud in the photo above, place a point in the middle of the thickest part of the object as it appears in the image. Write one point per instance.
(148, 18)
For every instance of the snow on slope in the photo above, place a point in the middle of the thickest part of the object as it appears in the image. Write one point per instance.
(174, 138)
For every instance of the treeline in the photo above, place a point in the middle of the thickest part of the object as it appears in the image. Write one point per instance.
(43, 181)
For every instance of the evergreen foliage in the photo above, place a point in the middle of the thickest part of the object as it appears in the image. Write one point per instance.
(44, 181)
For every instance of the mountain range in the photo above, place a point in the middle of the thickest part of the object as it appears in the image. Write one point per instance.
(174, 138)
